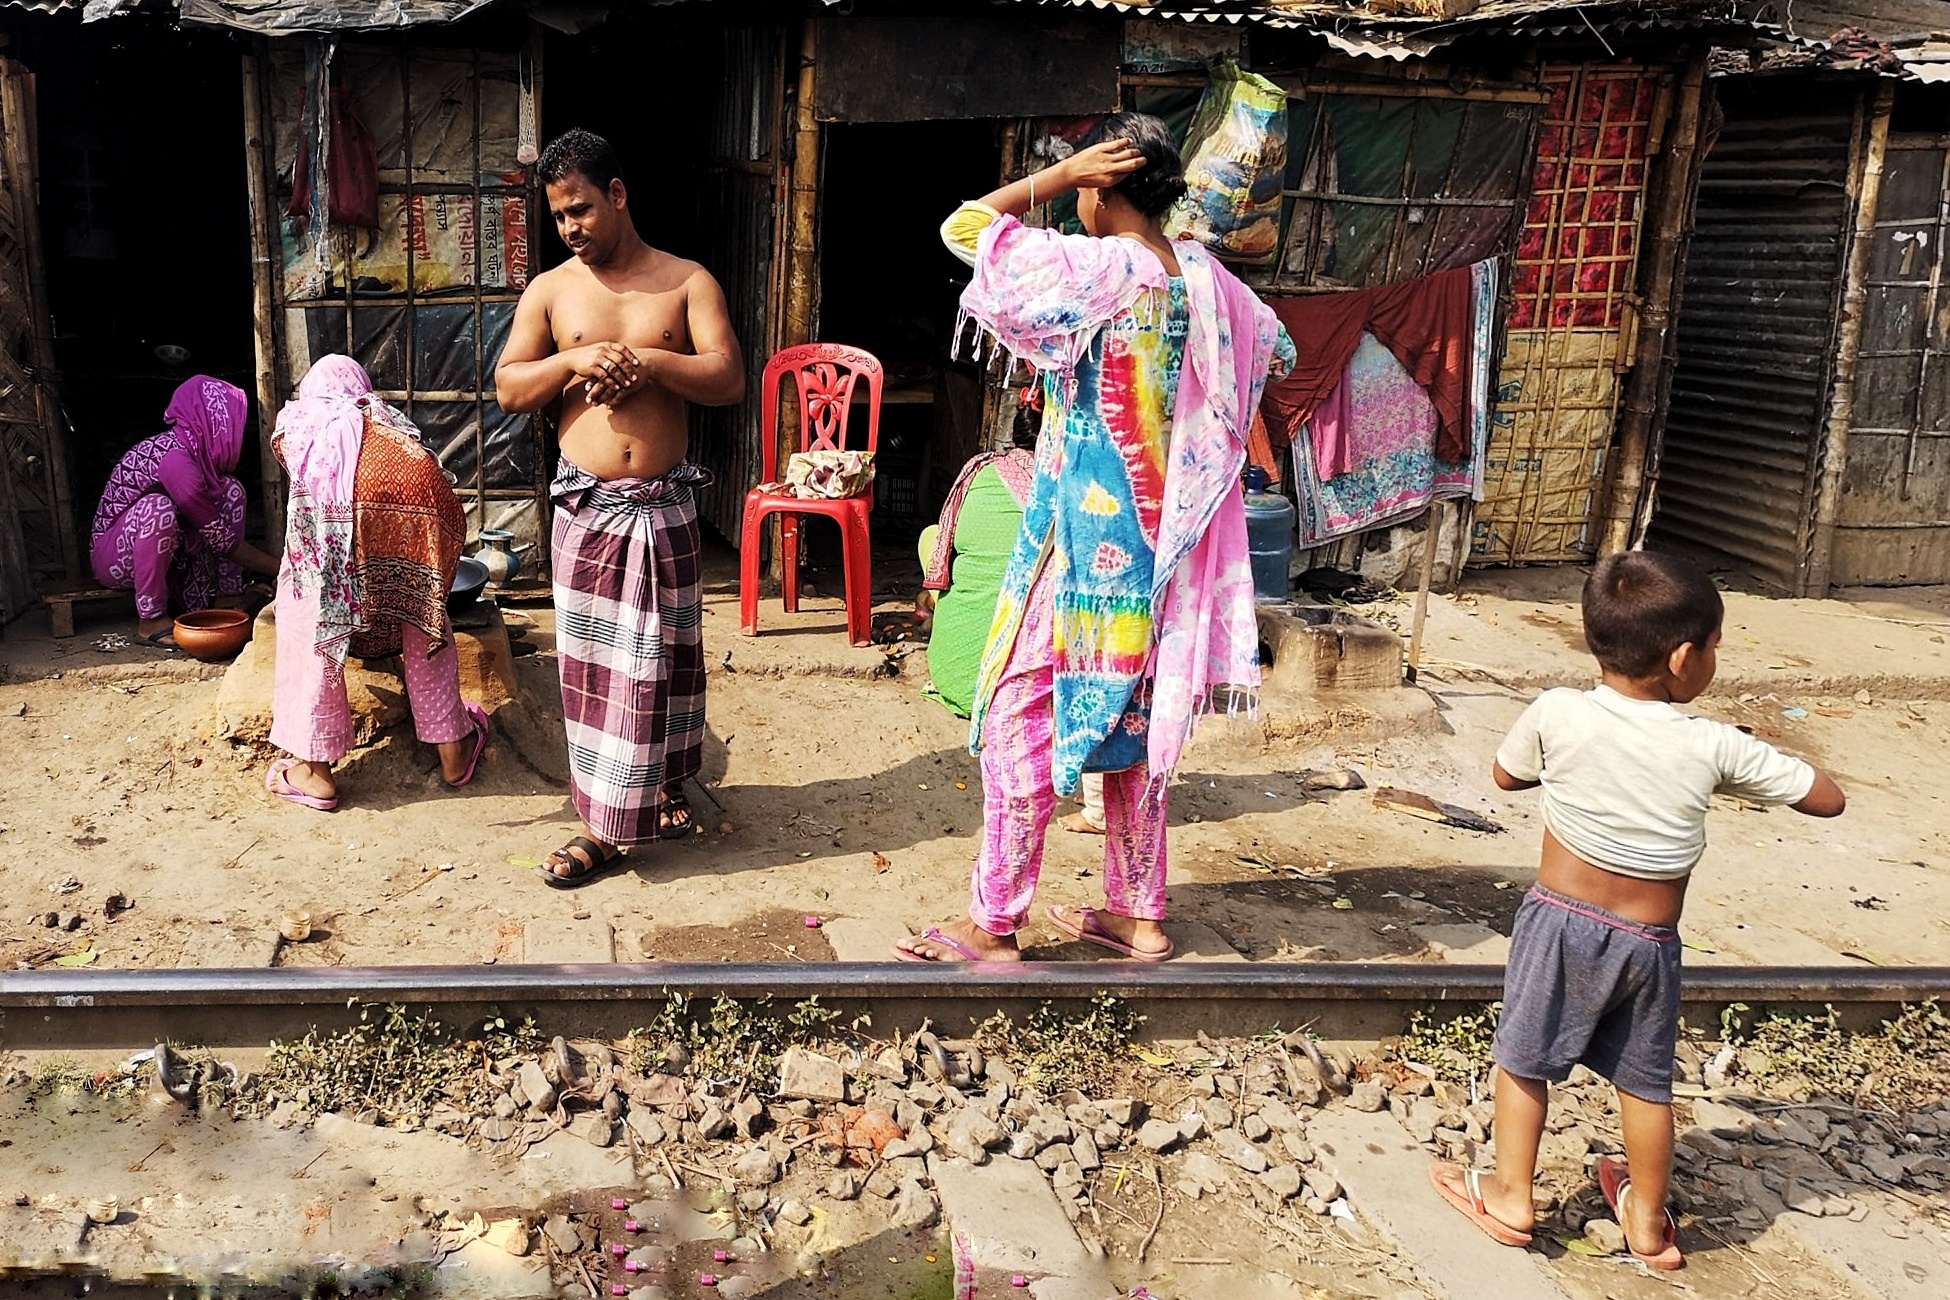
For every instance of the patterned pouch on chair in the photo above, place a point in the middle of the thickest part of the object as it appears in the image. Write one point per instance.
(827, 475)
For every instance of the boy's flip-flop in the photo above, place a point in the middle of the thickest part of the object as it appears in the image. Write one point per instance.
(933, 934)
(1472, 1204)
(602, 859)
(478, 716)
(1093, 931)
(279, 784)
(1615, 1180)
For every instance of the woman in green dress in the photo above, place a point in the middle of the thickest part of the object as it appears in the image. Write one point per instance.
(965, 555)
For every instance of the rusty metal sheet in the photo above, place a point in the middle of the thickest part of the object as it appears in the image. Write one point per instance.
(1756, 327)
(991, 65)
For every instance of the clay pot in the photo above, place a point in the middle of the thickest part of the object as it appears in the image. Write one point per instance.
(213, 634)
(501, 555)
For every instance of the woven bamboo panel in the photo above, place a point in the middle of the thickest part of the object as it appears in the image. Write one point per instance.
(1576, 262)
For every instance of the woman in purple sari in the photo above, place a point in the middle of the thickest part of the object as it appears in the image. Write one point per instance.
(170, 525)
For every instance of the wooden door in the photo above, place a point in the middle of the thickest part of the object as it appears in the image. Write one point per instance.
(38, 541)
(1892, 520)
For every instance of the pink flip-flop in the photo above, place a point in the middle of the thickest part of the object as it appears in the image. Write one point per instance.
(1092, 931)
(280, 785)
(933, 934)
(478, 716)
(1470, 1202)
(1615, 1181)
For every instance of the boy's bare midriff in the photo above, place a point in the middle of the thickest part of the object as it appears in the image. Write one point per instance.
(648, 432)
(1649, 902)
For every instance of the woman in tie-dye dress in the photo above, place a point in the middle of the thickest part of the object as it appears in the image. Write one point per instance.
(1127, 609)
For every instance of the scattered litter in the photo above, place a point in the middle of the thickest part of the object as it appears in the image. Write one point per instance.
(104, 1209)
(524, 863)
(812, 923)
(1796, 712)
(1697, 946)
(1863, 697)
(1150, 1057)
(295, 926)
(80, 957)
(880, 864)
(1870, 904)
(1505, 884)
(67, 885)
(1340, 1209)
(1420, 805)
(1343, 904)
(959, 785)
(109, 642)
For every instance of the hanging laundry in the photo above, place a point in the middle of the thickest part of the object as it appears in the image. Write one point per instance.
(1369, 456)
(1426, 324)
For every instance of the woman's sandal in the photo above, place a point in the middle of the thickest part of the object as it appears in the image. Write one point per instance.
(675, 807)
(477, 716)
(596, 860)
(277, 780)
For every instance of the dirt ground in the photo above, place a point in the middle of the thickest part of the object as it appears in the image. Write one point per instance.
(851, 797)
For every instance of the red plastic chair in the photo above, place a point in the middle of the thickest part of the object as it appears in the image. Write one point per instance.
(827, 375)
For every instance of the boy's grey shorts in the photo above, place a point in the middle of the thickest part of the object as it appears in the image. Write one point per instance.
(1586, 986)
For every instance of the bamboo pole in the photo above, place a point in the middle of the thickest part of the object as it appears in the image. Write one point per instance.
(1431, 537)
(802, 204)
(23, 173)
(1848, 349)
(264, 294)
(1661, 297)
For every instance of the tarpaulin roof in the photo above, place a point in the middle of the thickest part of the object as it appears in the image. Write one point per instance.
(1391, 29)
(290, 17)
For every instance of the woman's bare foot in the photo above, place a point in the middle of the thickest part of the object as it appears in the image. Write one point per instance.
(1146, 938)
(314, 779)
(960, 941)
(1082, 825)
(157, 631)
(453, 758)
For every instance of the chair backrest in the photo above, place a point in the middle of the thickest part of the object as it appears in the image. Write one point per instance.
(827, 375)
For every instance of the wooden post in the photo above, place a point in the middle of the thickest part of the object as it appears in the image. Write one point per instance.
(266, 268)
(1848, 349)
(17, 104)
(800, 322)
(1432, 536)
(1662, 262)
(802, 204)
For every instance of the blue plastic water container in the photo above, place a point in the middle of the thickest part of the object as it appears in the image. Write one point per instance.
(1269, 540)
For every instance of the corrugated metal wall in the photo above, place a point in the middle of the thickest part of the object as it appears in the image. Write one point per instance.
(735, 217)
(1757, 326)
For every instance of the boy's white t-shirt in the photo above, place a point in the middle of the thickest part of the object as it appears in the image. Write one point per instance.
(1626, 782)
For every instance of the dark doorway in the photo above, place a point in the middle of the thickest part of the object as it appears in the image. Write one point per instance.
(146, 232)
(888, 285)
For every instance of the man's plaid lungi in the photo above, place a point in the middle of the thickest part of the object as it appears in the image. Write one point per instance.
(629, 635)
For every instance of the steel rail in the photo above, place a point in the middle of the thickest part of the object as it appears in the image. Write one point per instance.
(115, 1008)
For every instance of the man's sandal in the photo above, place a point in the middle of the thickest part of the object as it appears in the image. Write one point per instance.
(596, 860)
(675, 818)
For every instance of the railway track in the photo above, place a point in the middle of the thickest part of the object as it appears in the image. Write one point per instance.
(71, 1010)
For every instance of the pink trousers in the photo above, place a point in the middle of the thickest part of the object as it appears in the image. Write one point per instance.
(1018, 741)
(310, 716)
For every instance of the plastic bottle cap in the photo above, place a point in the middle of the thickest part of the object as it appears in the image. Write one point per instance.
(706, 1279)
(618, 1203)
(631, 1225)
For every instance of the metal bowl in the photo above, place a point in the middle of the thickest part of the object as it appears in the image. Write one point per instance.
(470, 579)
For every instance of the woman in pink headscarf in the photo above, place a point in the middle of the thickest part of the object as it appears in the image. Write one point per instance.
(372, 537)
(170, 525)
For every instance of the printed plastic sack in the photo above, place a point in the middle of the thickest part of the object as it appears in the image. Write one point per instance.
(1235, 168)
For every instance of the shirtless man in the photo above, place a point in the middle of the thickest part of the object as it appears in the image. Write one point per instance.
(625, 336)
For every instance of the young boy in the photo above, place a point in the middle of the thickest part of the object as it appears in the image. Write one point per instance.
(1593, 974)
